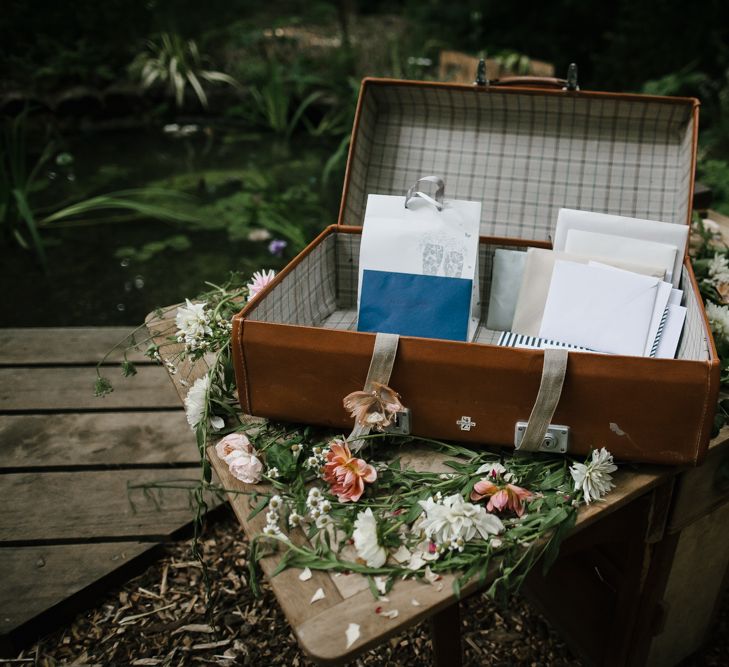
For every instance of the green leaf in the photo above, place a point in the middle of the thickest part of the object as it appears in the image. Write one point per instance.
(30, 221)
(102, 386)
(259, 507)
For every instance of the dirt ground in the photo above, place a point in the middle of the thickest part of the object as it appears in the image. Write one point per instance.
(159, 618)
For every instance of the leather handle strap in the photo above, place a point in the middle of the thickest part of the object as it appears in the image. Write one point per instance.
(550, 391)
(380, 370)
(436, 200)
(532, 81)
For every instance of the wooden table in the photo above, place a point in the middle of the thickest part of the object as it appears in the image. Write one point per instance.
(611, 591)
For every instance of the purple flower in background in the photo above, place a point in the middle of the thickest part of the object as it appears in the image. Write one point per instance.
(277, 246)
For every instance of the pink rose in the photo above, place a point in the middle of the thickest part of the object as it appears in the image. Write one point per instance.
(247, 468)
(232, 446)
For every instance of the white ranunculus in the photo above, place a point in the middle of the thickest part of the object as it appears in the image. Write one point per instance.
(365, 540)
(193, 323)
(594, 477)
(718, 319)
(454, 518)
(719, 269)
(196, 400)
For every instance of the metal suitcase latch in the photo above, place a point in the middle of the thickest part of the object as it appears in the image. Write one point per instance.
(555, 441)
(401, 426)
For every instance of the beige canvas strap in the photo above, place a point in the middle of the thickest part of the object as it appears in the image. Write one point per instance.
(383, 359)
(550, 390)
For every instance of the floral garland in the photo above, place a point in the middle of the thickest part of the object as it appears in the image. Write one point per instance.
(710, 260)
(376, 516)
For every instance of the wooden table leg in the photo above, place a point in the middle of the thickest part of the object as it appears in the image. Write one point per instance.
(445, 633)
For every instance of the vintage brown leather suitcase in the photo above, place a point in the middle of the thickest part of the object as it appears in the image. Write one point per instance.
(524, 152)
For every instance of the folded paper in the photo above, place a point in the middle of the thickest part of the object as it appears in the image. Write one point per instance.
(599, 308)
(535, 286)
(510, 339)
(668, 342)
(505, 283)
(418, 270)
(608, 247)
(635, 228)
(663, 295)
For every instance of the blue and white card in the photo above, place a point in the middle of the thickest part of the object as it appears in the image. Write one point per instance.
(418, 272)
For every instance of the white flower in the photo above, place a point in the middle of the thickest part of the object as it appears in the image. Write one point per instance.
(719, 269)
(259, 280)
(193, 324)
(272, 517)
(594, 478)
(718, 319)
(294, 519)
(196, 401)
(314, 497)
(275, 502)
(454, 518)
(323, 520)
(296, 451)
(273, 473)
(365, 540)
(491, 469)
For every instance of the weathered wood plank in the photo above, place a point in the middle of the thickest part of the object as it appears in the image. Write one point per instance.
(92, 504)
(107, 438)
(694, 585)
(293, 594)
(35, 579)
(72, 345)
(187, 371)
(30, 389)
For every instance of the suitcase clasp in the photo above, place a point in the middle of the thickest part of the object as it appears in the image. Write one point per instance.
(555, 440)
(401, 426)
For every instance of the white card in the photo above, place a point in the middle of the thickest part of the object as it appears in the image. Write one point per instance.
(505, 283)
(636, 228)
(606, 247)
(599, 308)
(672, 328)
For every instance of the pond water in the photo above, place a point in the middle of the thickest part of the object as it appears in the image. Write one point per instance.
(114, 273)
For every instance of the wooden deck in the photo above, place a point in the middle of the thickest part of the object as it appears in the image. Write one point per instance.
(70, 524)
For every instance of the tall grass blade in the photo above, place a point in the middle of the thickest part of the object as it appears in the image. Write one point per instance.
(27, 214)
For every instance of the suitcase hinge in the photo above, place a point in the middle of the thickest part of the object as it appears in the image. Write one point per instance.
(555, 441)
(571, 78)
(481, 78)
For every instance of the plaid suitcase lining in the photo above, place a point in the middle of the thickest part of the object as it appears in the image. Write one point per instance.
(321, 291)
(525, 156)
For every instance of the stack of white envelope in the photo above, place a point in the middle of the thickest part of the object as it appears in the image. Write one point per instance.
(609, 285)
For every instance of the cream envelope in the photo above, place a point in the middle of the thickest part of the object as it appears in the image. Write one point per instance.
(634, 228)
(535, 286)
(599, 308)
(607, 247)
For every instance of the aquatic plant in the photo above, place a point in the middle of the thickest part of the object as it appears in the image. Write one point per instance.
(22, 220)
(277, 102)
(177, 63)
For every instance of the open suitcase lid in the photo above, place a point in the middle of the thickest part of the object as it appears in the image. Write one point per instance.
(524, 152)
